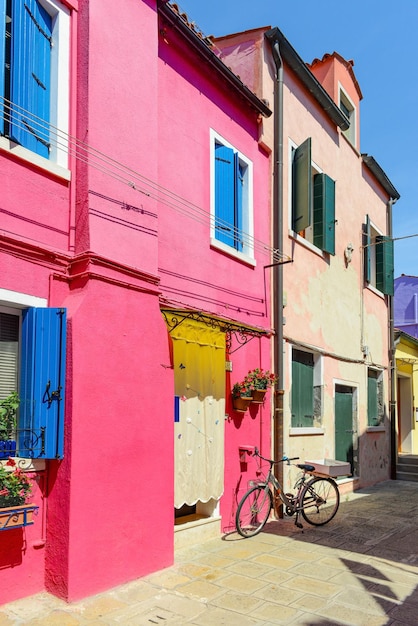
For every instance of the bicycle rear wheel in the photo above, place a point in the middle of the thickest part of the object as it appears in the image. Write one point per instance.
(320, 501)
(253, 511)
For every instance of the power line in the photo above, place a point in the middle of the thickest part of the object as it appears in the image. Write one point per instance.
(113, 168)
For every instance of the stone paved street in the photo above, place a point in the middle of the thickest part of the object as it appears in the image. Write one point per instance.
(361, 569)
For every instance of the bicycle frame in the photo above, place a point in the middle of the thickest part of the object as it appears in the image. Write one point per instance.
(291, 503)
(316, 498)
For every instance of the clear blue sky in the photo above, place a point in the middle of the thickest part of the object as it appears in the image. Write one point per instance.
(381, 36)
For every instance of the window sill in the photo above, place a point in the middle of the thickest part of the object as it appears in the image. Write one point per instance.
(34, 159)
(376, 429)
(376, 291)
(239, 256)
(307, 244)
(306, 430)
(26, 465)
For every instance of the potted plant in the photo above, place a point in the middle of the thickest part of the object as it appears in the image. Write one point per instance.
(15, 488)
(241, 397)
(258, 381)
(8, 410)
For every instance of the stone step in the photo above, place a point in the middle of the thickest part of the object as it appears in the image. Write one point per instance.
(401, 475)
(408, 459)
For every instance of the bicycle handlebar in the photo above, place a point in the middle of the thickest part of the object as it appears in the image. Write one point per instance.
(285, 459)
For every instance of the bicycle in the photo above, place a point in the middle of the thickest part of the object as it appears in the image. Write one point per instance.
(317, 498)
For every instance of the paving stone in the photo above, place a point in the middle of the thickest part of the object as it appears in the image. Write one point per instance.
(278, 562)
(276, 613)
(308, 603)
(272, 578)
(5, 620)
(276, 594)
(239, 602)
(168, 579)
(314, 587)
(56, 618)
(368, 602)
(202, 590)
(222, 617)
(339, 614)
(315, 570)
(98, 606)
(406, 612)
(242, 583)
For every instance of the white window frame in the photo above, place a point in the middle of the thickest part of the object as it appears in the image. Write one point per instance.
(348, 104)
(308, 239)
(318, 382)
(57, 162)
(374, 232)
(247, 254)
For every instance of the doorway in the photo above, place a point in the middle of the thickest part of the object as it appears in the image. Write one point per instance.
(405, 414)
(345, 426)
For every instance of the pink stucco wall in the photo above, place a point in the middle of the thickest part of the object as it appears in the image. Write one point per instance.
(109, 247)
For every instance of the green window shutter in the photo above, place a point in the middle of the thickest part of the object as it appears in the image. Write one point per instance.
(302, 393)
(324, 213)
(384, 264)
(302, 186)
(367, 240)
(372, 403)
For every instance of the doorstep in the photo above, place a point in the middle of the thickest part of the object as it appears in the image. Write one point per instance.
(195, 529)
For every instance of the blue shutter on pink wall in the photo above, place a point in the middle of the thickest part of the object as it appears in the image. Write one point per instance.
(239, 182)
(30, 75)
(42, 384)
(224, 195)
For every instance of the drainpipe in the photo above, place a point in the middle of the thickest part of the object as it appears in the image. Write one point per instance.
(392, 369)
(278, 269)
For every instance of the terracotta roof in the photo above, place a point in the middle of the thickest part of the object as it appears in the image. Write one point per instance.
(205, 46)
(208, 39)
(348, 64)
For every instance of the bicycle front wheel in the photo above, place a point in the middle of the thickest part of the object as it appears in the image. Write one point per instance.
(253, 511)
(320, 500)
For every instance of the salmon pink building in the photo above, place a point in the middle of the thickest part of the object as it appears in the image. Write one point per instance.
(135, 232)
(332, 210)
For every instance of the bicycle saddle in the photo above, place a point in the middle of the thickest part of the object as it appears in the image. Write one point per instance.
(306, 468)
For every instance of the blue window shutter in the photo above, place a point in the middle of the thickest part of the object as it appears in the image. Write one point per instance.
(367, 258)
(239, 183)
(302, 187)
(42, 384)
(384, 265)
(324, 213)
(2, 60)
(224, 195)
(30, 75)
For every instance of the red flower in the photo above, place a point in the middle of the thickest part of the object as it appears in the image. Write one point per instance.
(11, 462)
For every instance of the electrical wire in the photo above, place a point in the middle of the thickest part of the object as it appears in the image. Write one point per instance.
(113, 168)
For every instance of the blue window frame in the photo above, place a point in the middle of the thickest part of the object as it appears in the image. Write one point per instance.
(39, 377)
(25, 74)
(232, 204)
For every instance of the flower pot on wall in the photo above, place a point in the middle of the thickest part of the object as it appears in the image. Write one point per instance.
(17, 516)
(259, 395)
(241, 403)
(7, 448)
